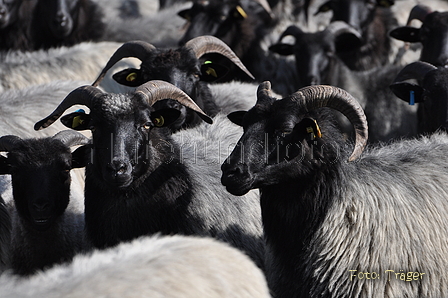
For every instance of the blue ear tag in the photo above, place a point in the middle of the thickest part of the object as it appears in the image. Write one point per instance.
(411, 98)
(80, 111)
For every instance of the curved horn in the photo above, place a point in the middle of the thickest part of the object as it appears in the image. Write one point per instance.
(341, 27)
(320, 96)
(9, 142)
(137, 49)
(156, 90)
(416, 70)
(71, 138)
(82, 95)
(418, 12)
(209, 44)
(264, 93)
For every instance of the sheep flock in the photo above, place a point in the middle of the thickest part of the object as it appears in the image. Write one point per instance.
(224, 148)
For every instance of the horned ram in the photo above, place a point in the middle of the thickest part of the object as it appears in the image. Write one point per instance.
(142, 181)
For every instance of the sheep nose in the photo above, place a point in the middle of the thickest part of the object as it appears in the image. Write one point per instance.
(119, 167)
(61, 19)
(233, 170)
(40, 206)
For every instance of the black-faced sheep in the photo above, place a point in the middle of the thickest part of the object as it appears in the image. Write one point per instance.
(340, 221)
(430, 93)
(188, 68)
(156, 267)
(142, 181)
(58, 23)
(43, 231)
(15, 18)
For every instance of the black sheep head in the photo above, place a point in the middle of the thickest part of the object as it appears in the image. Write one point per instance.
(357, 13)
(287, 139)
(8, 12)
(315, 52)
(430, 92)
(40, 170)
(130, 139)
(433, 34)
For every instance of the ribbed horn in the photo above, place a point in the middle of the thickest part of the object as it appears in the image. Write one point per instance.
(9, 142)
(418, 12)
(137, 49)
(71, 138)
(319, 96)
(82, 95)
(416, 70)
(264, 93)
(209, 44)
(341, 27)
(156, 90)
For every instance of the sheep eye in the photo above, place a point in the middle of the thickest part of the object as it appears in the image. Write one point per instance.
(147, 125)
(159, 121)
(131, 77)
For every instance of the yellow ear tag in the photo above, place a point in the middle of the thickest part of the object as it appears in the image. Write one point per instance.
(314, 130)
(159, 121)
(131, 77)
(241, 11)
(211, 72)
(77, 121)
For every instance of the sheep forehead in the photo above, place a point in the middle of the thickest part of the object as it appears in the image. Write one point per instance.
(40, 152)
(436, 20)
(116, 104)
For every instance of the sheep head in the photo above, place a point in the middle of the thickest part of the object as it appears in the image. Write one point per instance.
(9, 13)
(130, 138)
(40, 170)
(430, 91)
(315, 52)
(288, 138)
(433, 34)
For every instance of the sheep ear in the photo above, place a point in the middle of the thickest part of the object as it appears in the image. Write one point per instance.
(406, 33)
(80, 157)
(403, 90)
(164, 117)
(5, 166)
(131, 77)
(211, 71)
(282, 49)
(77, 120)
(237, 117)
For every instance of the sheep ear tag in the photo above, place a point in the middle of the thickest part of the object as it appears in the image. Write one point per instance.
(239, 12)
(77, 120)
(131, 77)
(311, 128)
(408, 92)
(211, 71)
(164, 117)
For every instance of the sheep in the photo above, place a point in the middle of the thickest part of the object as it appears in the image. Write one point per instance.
(245, 27)
(80, 62)
(373, 20)
(432, 34)
(341, 221)
(165, 184)
(14, 23)
(431, 94)
(158, 266)
(58, 23)
(5, 235)
(317, 62)
(187, 67)
(43, 231)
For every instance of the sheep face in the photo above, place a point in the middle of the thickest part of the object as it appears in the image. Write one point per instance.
(60, 19)
(357, 13)
(179, 67)
(8, 12)
(275, 147)
(126, 134)
(41, 184)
